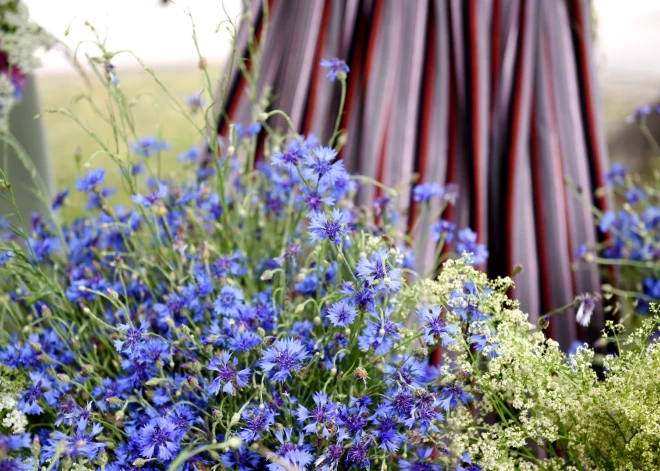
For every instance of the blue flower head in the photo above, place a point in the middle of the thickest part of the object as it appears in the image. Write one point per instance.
(148, 146)
(91, 180)
(342, 313)
(229, 302)
(467, 242)
(321, 167)
(378, 273)
(229, 377)
(337, 68)
(247, 131)
(150, 199)
(159, 439)
(284, 357)
(332, 228)
(435, 327)
(79, 444)
(427, 191)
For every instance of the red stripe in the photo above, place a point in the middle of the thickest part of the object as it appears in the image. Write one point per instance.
(381, 157)
(476, 126)
(316, 69)
(515, 131)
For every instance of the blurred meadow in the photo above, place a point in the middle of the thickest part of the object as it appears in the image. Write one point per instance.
(151, 107)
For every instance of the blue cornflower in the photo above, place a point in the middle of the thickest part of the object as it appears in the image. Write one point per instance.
(105, 391)
(378, 273)
(228, 375)
(159, 438)
(229, 302)
(133, 339)
(42, 248)
(320, 168)
(190, 155)
(284, 357)
(452, 394)
(195, 101)
(322, 415)
(258, 419)
(421, 462)
(357, 455)
(427, 191)
(148, 146)
(59, 198)
(651, 288)
(247, 131)
(151, 198)
(289, 455)
(443, 228)
(435, 327)
(232, 264)
(585, 309)
(91, 180)
(80, 444)
(290, 159)
(241, 459)
(386, 433)
(640, 113)
(342, 313)
(338, 68)
(244, 341)
(380, 334)
(29, 401)
(333, 228)
(467, 242)
(616, 175)
(314, 199)
(411, 372)
(424, 412)
(467, 464)
(329, 461)
(481, 341)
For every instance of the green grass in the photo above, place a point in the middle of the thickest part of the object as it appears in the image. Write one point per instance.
(152, 110)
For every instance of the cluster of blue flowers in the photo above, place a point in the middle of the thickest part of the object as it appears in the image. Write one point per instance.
(631, 238)
(253, 320)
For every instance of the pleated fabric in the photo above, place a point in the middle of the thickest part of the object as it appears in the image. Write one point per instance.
(496, 96)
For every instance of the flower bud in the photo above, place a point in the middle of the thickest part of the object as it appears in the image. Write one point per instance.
(268, 341)
(64, 378)
(317, 321)
(261, 332)
(544, 322)
(217, 415)
(267, 275)
(36, 448)
(113, 401)
(234, 419)
(113, 294)
(192, 382)
(138, 463)
(333, 372)
(234, 443)
(102, 458)
(262, 117)
(67, 463)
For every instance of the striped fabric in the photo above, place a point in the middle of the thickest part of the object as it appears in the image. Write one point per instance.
(497, 96)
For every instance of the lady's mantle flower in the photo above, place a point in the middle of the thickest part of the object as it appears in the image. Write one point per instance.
(227, 375)
(378, 273)
(151, 198)
(158, 439)
(333, 228)
(91, 180)
(320, 167)
(435, 327)
(342, 313)
(148, 146)
(338, 68)
(586, 309)
(284, 356)
(467, 242)
(229, 302)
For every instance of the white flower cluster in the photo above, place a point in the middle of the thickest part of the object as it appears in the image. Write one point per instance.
(13, 419)
(528, 392)
(20, 38)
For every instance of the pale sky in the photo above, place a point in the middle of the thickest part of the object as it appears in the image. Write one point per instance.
(628, 32)
(160, 35)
